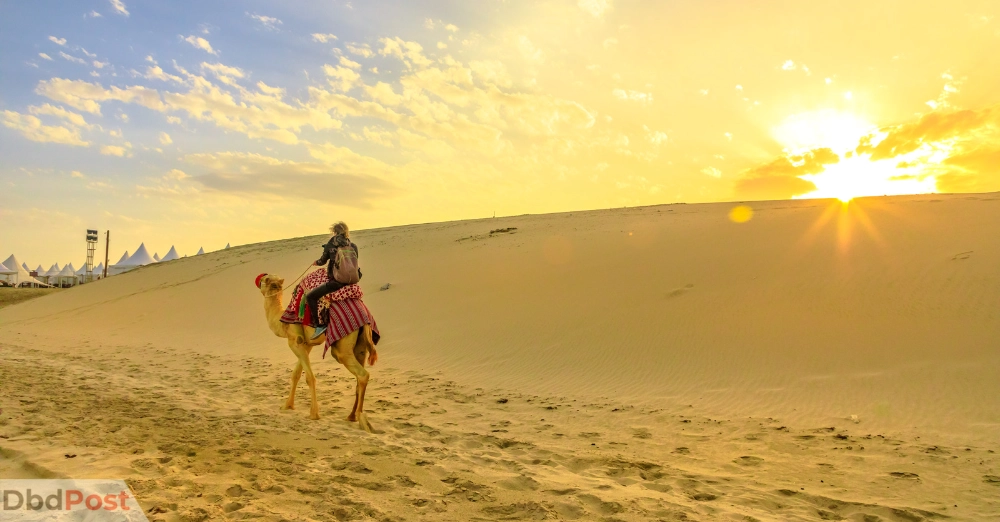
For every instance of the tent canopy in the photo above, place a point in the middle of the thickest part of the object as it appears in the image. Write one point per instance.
(123, 259)
(171, 255)
(52, 271)
(5, 270)
(200, 251)
(68, 271)
(139, 258)
(21, 275)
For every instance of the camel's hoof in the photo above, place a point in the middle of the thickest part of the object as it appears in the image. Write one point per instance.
(363, 423)
(314, 416)
(288, 407)
(352, 418)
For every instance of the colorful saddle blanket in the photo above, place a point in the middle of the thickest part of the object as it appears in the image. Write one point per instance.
(346, 311)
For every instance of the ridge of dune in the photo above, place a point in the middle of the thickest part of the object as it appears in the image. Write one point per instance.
(657, 325)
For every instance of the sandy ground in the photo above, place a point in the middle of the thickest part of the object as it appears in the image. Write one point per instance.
(818, 362)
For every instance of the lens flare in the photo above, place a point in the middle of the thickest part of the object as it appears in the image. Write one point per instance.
(741, 214)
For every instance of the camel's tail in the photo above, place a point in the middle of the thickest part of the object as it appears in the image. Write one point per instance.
(365, 338)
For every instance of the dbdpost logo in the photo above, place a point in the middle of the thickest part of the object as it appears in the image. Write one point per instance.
(68, 500)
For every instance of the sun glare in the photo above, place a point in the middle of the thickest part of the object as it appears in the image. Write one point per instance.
(858, 176)
(839, 131)
(854, 175)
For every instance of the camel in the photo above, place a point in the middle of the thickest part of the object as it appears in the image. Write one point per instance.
(349, 351)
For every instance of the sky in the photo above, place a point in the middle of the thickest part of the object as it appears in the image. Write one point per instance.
(197, 124)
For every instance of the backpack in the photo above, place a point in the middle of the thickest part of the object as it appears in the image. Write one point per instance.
(345, 265)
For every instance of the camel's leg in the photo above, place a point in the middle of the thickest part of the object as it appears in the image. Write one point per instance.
(346, 355)
(296, 374)
(311, 380)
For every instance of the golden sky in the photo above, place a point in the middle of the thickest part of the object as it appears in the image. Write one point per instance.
(200, 124)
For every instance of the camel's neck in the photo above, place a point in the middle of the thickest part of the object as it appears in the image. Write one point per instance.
(273, 311)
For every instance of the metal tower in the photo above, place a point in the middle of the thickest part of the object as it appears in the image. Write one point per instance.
(91, 245)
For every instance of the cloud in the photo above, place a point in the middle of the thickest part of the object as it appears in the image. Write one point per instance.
(636, 96)
(72, 58)
(451, 28)
(344, 182)
(780, 179)
(610, 42)
(113, 150)
(45, 56)
(119, 7)
(931, 127)
(93, 14)
(57, 41)
(156, 73)
(712, 171)
(269, 22)
(411, 53)
(596, 8)
(99, 65)
(165, 139)
(59, 112)
(347, 62)
(85, 96)
(323, 38)
(362, 50)
(200, 43)
(31, 127)
(341, 78)
(224, 73)
(528, 49)
(256, 114)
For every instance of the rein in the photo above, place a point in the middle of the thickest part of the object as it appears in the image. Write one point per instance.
(292, 285)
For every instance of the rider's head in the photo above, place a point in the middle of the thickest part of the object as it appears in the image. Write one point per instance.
(340, 229)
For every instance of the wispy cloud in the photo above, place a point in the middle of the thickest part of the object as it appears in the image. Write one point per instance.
(200, 43)
(630, 95)
(269, 22)
(323, 37)
(57, 41)
(596, 8)
(45, 56)
(73, 59)
(119, 7)
(31, 128)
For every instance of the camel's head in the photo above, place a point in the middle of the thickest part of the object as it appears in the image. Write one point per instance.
(269, 284)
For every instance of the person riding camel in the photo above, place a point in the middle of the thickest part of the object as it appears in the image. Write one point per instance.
(340, 255)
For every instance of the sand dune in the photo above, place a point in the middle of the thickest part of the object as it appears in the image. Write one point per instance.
(628, 364)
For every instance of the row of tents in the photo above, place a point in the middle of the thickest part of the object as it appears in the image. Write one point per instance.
(19, 274)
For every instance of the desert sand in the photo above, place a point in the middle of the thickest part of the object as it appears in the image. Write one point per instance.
(818, 362)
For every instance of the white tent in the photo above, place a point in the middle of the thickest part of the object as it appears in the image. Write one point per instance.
(51, 273)
(39, 271)
(200, 251)
(99, 271)
(171, 255)
(123, 259)
(4, 271)
(66, 276)
(156, 257)
(139, 258)
(227, 247)
(25, 266)
(20, 275)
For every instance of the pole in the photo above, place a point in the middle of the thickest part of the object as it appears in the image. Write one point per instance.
(107, 244)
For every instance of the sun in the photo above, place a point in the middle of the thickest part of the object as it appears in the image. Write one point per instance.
(853, 175)
(858, 176)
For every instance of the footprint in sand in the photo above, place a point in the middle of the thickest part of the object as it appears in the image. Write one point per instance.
(747, 460)
(962, 255)
(677, 292)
